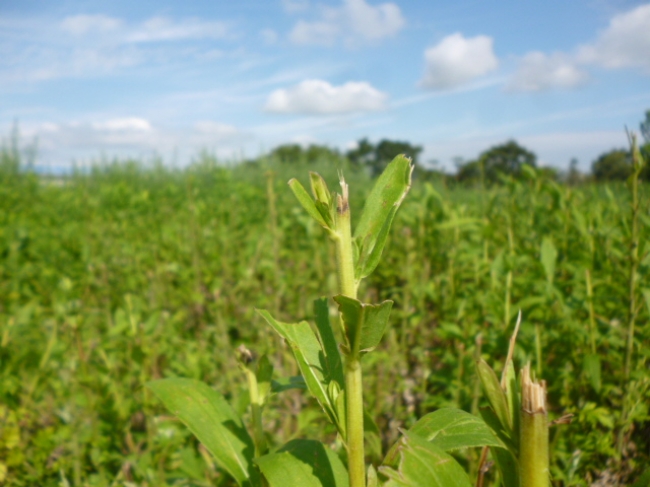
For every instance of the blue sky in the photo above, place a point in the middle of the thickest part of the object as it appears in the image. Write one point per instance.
(91, 79)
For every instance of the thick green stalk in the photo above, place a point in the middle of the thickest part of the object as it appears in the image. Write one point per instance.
(343, 239)
(354, 399)
(353, 376)
(533, 440)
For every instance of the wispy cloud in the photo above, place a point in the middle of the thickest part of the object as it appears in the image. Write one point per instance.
(540, 72)
(355, 22)
(96, 45)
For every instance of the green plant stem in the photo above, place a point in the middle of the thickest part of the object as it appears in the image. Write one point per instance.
(632, 310)
(354, 399)
(256, 413)
(533, 439)
(592, 316)
(353, 376)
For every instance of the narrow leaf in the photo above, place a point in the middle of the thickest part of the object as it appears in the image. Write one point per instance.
(209, 416)
(319, 188)
(495, 394)
(548, 257)
(306, 201)
(332, 355)
(452, 429)
(371, 262)
(364, 323)
(309, 356)
(304, 463)
(389, 191)
(508, 467)
(591, 368)
(288, 383)
(424, 464)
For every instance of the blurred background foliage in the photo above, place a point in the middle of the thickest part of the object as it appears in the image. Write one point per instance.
(125, 272)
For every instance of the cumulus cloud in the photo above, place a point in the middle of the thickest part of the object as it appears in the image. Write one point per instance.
(457, 60)
(353, 22)
(540, 72)
(624, 43)
(320, 97)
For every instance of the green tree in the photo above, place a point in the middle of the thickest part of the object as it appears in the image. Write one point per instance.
(506, 159)
(377, 157)
(614, 165)
(295, 153)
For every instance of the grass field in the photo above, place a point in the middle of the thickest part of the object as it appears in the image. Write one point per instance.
(115, 276)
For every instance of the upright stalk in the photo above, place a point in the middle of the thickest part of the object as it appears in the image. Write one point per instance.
(637, 164)
(592, 316)
(534, 454)
(353, 376)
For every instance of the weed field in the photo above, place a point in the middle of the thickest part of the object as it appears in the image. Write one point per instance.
(123, 274)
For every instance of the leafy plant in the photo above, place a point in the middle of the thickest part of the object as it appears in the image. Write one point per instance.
(332, 371)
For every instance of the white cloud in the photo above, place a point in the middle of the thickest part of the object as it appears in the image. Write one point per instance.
(269, 36)
(320, 97)
(540, 72)
(292, 6)
(456, 60)
(82, 24)
(218, 130)
(133, 124)
(354, 22)
(164, 29)
(625, 43)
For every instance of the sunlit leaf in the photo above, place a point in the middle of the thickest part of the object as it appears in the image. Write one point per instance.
(364, 323)
(423, 464)
(303, 463)
(209, 416)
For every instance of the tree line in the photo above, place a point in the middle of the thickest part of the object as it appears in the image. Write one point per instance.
(504, 160)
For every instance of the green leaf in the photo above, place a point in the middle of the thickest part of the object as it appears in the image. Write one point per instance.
(508, 467)
(389, 191)
(303, 463)
(423, 464)
(364, 323)
(209, 416)
(591, 368)
(452, 429)
(513, 398)
(495, 425)
(306, 201)
(309, 356)
(319, 188)
(495, 394)
(372, 260)
(288, 383)
(373, 481)
(548, 257)
(328, 341)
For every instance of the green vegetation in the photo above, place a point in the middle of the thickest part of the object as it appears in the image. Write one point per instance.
(123, 275)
